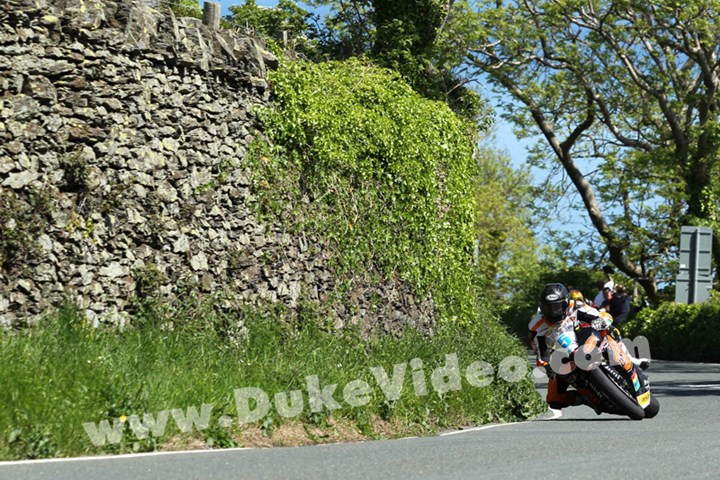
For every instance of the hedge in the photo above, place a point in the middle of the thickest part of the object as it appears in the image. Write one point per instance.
(678, 331)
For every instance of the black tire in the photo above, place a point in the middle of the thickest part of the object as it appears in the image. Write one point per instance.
(625, 404)
(653, 408)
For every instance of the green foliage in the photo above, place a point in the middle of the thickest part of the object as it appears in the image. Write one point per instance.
(385, 176)
(64, 373)
(220, 175)
(286, 25)
(348, 30)
(505, 243)
(147, 302)
(408, 39)
(408, 36)
(411, 37)
(676, 331)
(76, 174)
(183, 8)
(32, 442)
(512, 267)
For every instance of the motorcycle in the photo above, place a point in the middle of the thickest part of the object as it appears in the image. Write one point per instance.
(599, 367)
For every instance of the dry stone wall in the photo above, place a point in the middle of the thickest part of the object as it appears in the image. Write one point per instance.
(123, 140)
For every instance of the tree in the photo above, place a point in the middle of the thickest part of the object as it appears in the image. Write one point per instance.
(506, 250)
(625, 95)
(284, 24)
(411, 38)
(408, 36)
(348, 30)
(183, 8)
(512, 266)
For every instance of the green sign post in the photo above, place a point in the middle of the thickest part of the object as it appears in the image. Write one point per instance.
(694, 280)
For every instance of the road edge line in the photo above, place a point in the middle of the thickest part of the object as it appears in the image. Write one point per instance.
(121, 456)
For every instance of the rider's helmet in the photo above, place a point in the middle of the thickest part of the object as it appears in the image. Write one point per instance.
(554, 302)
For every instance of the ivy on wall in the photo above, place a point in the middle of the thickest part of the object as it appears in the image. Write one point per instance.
(383, 174)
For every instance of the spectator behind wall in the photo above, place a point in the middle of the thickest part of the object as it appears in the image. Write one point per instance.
(607, 297)
(619, 305)
(601, 285)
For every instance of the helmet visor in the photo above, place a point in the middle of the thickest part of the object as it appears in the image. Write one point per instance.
(554, 311)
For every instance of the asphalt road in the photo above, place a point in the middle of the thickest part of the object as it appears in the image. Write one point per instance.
(683, 441)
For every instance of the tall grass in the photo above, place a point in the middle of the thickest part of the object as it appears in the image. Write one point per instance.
(61, 374)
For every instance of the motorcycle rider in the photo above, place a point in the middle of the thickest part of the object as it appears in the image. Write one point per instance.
(557, 304)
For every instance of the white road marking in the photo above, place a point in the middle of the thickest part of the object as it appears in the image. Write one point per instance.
(555, 415)
(476, 429)
(712, 386)
(120, 457)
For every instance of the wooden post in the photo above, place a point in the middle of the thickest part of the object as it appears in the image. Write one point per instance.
(211, 14)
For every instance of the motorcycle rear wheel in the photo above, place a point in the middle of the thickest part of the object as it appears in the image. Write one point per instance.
(622, 400)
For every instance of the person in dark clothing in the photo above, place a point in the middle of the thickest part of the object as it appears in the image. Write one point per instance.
(619, 305)
(607, 294)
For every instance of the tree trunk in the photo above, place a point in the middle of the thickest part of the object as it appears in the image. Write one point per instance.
(616, 246)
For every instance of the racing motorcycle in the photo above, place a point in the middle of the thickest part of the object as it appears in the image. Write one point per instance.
(599, 367)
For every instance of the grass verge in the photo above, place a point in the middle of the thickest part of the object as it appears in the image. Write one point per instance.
(62, 374)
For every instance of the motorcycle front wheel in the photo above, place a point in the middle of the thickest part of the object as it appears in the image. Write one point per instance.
(654, 407)
(616, 393)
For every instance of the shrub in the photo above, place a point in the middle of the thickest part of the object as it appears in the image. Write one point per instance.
(678, 331)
